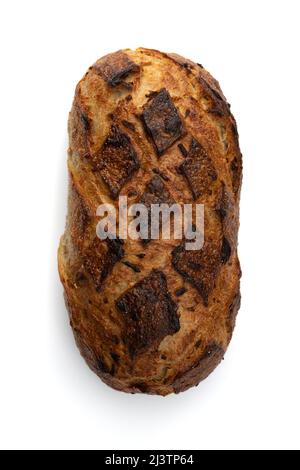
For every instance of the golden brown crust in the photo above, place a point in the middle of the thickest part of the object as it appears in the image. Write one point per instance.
(209, 359)
(151, 318)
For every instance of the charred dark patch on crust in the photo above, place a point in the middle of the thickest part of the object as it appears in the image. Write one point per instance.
(236, 173)
(199, 170)
(117, 160)
(115, 357)
(209, 359)
(85, 121)
(116, 247)
(180, 291)
(149, 313)
(141, 387)
(161, 174)
(114, 68)
(225, 251)
(217, 110)
(156, 192)
(128, 124)
(162, 121)
(132, 266)
(100, 258)
(132, 193)
(183, 150)
(102, 366)
(198, 267)
(80, 278)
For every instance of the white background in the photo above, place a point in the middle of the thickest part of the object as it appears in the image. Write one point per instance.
(49, 397)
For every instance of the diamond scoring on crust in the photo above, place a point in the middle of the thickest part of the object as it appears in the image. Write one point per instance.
(149, 312)
(113, 68)
(117, 160)
(155, 192)
(199, 170)
(199, 267)
(162, 121)
(100, 258)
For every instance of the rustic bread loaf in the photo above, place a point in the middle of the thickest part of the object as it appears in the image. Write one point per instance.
(151, 317)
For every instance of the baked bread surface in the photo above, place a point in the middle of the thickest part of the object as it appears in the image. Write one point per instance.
(151, 317)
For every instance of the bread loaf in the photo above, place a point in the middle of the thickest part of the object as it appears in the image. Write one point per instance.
(151, 316)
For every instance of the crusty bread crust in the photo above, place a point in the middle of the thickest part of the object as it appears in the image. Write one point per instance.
(151, 317)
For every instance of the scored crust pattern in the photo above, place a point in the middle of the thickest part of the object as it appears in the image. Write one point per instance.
(117, 160)
(152, 318)
(114, 68)
(162, 121)
(149, 312)
(198, 170)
